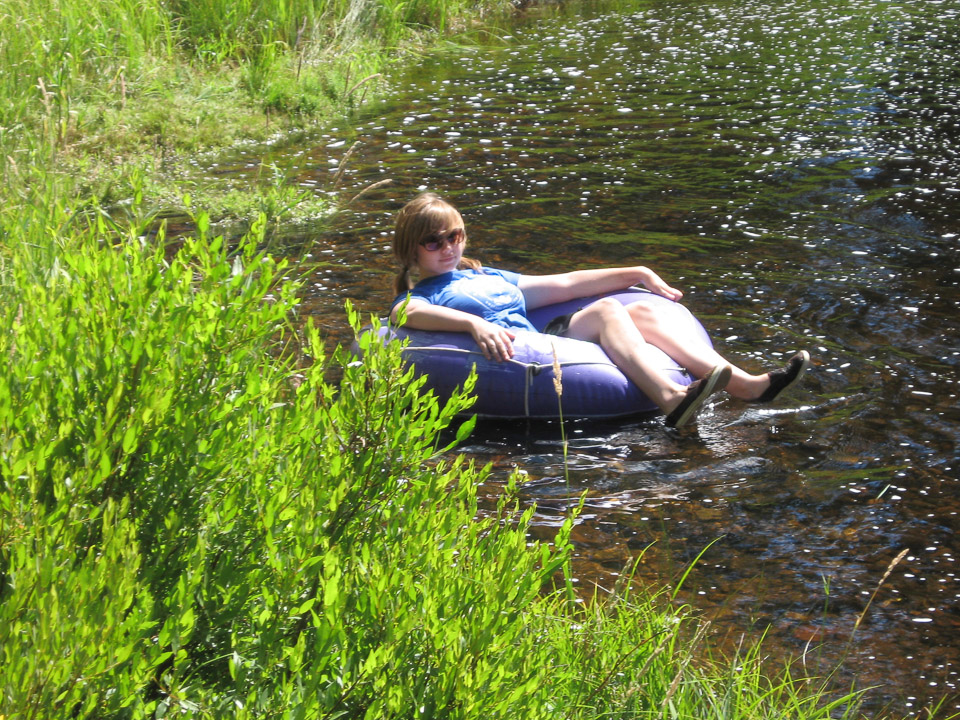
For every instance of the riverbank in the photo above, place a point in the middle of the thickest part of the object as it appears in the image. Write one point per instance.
(115, 102)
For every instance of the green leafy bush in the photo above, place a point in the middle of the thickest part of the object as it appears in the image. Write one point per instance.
(190, 519)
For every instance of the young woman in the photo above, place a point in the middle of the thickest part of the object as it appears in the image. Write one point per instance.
(455, 293)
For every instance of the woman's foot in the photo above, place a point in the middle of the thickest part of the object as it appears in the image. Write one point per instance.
(697, 393)
(785, 377)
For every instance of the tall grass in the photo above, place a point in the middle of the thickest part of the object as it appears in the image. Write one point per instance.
(50, 50)
(194, 522)
(92, 89)
(57, 56)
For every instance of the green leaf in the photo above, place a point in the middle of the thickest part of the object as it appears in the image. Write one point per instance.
(129, 439)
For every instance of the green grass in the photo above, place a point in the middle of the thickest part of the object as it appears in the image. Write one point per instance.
(71, 65)
(194, 522)
(98, 92)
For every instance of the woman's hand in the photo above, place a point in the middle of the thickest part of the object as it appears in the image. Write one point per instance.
(495, 341)
(654, 283)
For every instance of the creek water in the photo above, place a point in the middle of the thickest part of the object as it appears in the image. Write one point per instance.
(794, 168)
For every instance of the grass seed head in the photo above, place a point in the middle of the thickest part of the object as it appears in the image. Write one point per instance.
(557, 372)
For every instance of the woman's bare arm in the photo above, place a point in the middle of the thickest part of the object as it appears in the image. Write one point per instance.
(539, 290)
(495, 341)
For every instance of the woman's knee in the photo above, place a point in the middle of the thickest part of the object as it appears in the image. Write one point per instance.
(608, 308)
(643, 315)
(592, 322)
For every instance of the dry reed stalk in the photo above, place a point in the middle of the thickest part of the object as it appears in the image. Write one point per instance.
(359, 83)
(634, 689)
(44, 95)
(343, 164)
(370, 187)
(303, 27)
(697, 639)
(558, 388)
(890, 567)
(557, 373)
(299, 50)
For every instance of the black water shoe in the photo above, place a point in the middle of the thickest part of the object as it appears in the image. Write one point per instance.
(785, 377)
(697, 393)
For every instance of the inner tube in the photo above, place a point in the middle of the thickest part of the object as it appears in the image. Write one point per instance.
(523, 387)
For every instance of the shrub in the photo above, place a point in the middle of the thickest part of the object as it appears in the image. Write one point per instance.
(191, 520)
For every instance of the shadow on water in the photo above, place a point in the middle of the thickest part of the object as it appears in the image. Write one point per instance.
(795, 170)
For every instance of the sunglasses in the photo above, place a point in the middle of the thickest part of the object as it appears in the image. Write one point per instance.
(434, 242)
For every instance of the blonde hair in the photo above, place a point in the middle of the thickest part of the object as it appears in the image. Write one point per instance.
(420, 218)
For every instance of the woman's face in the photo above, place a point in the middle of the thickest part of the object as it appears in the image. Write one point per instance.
(441, 252)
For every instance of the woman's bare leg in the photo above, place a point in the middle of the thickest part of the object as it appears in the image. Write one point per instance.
(671, 330)
(610, 325)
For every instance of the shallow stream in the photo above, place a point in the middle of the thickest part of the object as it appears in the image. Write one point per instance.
(795, 169)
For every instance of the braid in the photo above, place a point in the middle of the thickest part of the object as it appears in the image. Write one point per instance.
(401, 282)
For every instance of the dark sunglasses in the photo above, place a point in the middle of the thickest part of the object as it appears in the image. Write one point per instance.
(434, 242)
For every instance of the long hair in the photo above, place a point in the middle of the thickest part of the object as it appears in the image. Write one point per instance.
(423, 216)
